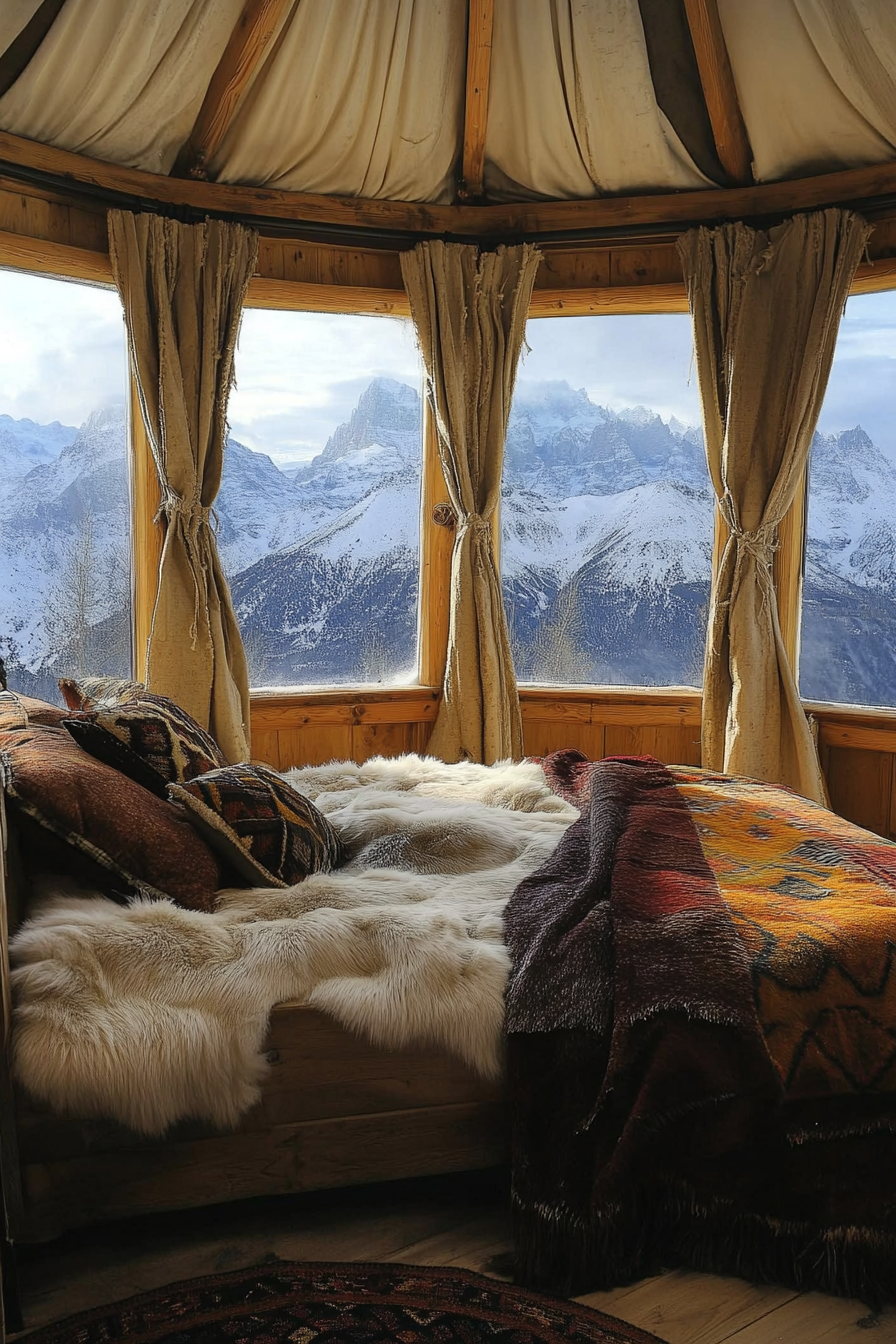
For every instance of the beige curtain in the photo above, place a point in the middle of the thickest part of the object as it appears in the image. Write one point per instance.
(470, 313)
(572, 109)
(766, 308)
(120, 81)
(183, 286)
(814, 81)
(358, 98)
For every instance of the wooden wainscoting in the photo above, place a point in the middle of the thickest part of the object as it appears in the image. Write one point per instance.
(857, 747)
(858, 756)
(665, 724)
(309, 729)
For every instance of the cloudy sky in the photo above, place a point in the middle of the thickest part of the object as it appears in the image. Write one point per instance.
(299, 375)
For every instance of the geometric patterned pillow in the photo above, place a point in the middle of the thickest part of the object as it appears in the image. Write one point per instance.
(271, 835)
(92, 691)
(150, 739)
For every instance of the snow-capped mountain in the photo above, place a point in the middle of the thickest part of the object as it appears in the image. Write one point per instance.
(606, 549)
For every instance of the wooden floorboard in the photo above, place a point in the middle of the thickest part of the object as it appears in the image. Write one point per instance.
(454, 1220)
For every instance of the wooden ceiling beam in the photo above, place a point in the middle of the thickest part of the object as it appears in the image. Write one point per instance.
(480, 25)
(245, 48)
(720, 91)
(72, 175)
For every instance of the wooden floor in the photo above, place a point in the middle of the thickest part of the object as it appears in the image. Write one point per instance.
(440, 1221)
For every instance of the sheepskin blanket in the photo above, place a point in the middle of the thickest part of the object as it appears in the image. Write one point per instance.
(149, 1013)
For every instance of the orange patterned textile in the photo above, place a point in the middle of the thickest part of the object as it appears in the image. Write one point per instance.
(814, 900)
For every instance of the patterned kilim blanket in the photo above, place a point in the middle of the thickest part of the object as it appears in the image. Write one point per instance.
(701, 1023)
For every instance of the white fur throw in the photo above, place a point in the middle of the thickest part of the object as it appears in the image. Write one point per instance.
(149, 1013)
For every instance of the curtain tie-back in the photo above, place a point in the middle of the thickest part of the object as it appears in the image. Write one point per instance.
(190, 515)
(760, 542)
(474, 522)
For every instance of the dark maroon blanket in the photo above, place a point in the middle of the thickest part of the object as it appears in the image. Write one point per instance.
(650, 1124)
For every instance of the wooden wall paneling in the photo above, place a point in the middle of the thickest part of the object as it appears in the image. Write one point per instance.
(867, 733)
(420, 733)
(288, 259)
(860, 785)
(891, 825)
(672, 744)
(381, 739)
(265, 747)
(542, 736)
(314, 745)
(658, 265)
(574, 268)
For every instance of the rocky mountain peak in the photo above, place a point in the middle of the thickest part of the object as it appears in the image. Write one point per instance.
(388, 413)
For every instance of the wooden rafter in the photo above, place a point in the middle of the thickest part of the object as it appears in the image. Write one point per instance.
(481, 21)
(254, 30)
(63, 171)
(719, 90)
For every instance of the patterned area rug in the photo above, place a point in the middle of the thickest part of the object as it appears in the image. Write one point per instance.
(343, 1304)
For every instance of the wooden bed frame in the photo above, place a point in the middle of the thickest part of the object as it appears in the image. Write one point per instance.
(334, 1111)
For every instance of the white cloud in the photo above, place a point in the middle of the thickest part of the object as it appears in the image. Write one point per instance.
(620, 361)
(299, 375)
(62, 348)
(862, 386)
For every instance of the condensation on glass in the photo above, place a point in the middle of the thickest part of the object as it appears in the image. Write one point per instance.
(319, 508)
(65, 585)
(848, 632)
(607, 506)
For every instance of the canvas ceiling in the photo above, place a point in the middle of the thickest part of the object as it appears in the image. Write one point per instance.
(366, 97)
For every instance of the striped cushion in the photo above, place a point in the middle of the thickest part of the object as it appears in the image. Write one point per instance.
(271, 835)
(148, 738)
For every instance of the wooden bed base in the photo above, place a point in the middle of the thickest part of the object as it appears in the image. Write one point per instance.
(334, 1111)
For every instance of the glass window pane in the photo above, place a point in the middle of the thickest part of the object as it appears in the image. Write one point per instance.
(848, 636)
(65, 588)
(607, 507)
(320, 503)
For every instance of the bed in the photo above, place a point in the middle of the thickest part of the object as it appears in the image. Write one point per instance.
(666, 994)
(336, 1073)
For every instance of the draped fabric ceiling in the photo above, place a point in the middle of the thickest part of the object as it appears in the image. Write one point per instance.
(366, 97)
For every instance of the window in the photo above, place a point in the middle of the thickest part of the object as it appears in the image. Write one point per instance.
(319, 508)
(65, 606)
(607, 507)
(848, 637)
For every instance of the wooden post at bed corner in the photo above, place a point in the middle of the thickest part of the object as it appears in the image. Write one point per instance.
(10, 1174)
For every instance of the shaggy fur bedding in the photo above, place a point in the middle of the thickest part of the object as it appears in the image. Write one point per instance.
(150, 1013)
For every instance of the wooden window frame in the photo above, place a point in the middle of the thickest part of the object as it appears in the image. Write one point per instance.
(67, 262)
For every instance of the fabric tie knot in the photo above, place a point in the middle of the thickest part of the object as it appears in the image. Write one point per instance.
(191, 512)
(760, 543)
(474, 522)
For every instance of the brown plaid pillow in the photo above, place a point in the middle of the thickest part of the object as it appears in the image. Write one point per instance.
(271, 835)
(147, 737)
(131, 840)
